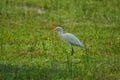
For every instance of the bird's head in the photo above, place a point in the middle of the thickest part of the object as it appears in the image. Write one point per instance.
(58, 29)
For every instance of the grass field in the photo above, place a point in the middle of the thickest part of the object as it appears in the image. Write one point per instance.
(31, 50)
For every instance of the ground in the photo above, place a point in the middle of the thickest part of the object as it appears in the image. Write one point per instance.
(30, 49)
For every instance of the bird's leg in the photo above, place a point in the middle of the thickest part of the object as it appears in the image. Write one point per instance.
(72, 51)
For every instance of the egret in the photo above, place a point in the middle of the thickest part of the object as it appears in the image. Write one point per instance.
(70, 38)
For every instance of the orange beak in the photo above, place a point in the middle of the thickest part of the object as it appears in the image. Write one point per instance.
(53, 30)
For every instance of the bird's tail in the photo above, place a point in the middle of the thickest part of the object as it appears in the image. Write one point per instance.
(81, 45)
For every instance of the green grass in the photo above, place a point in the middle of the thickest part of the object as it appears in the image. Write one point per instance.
(29, 49)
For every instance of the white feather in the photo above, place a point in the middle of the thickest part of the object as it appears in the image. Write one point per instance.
(70, 38)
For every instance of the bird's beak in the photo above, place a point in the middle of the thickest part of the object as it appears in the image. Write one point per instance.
(53, 30)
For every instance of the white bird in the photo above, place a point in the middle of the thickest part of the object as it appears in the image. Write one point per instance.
(70, 38)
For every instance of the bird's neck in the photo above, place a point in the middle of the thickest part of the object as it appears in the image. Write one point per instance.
(60, 33)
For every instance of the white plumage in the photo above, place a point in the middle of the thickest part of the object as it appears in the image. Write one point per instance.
(70, 38)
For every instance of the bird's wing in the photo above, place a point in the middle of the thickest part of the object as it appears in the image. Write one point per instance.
(73, 40)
